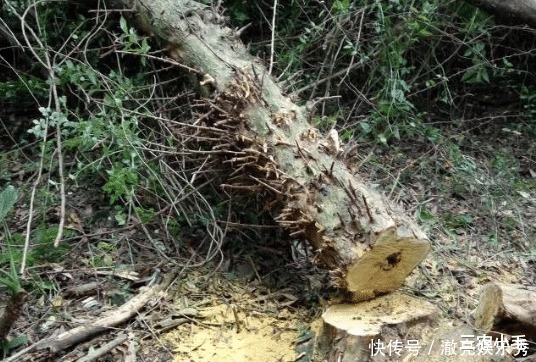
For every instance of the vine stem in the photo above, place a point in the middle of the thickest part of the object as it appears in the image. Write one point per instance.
(272, 41)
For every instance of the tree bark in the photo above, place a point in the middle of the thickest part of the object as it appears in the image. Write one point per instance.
(509, 309)
(512, 11)
(11, 313)
(272, 150)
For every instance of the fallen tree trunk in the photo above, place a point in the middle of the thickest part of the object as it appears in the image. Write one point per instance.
(270, 148)
(512, 11)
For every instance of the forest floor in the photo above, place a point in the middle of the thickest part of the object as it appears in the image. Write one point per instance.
(261, 300)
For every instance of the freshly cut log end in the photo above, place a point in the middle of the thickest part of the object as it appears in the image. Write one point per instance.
(385, 267)
(508, 309)
(348, 329)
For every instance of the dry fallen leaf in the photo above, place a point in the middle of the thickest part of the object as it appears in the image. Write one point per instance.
(75, 223)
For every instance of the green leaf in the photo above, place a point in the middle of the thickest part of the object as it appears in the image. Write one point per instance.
(123, 25)
(341, 5)
(8, 198)
(366, 127)
(8, 345)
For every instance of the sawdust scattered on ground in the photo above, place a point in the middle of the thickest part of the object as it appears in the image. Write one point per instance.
(230, 334)
(239, 322)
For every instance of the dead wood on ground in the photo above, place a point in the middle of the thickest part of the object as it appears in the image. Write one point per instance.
(111, 320)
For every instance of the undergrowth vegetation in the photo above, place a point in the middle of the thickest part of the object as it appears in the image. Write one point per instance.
(437, 98)
(394, 69)
(86, 134)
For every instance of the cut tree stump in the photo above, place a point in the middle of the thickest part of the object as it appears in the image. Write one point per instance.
(508, 309)
(377, 330)
(269, 149)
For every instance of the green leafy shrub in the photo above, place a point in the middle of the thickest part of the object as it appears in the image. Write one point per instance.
(396, 66)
